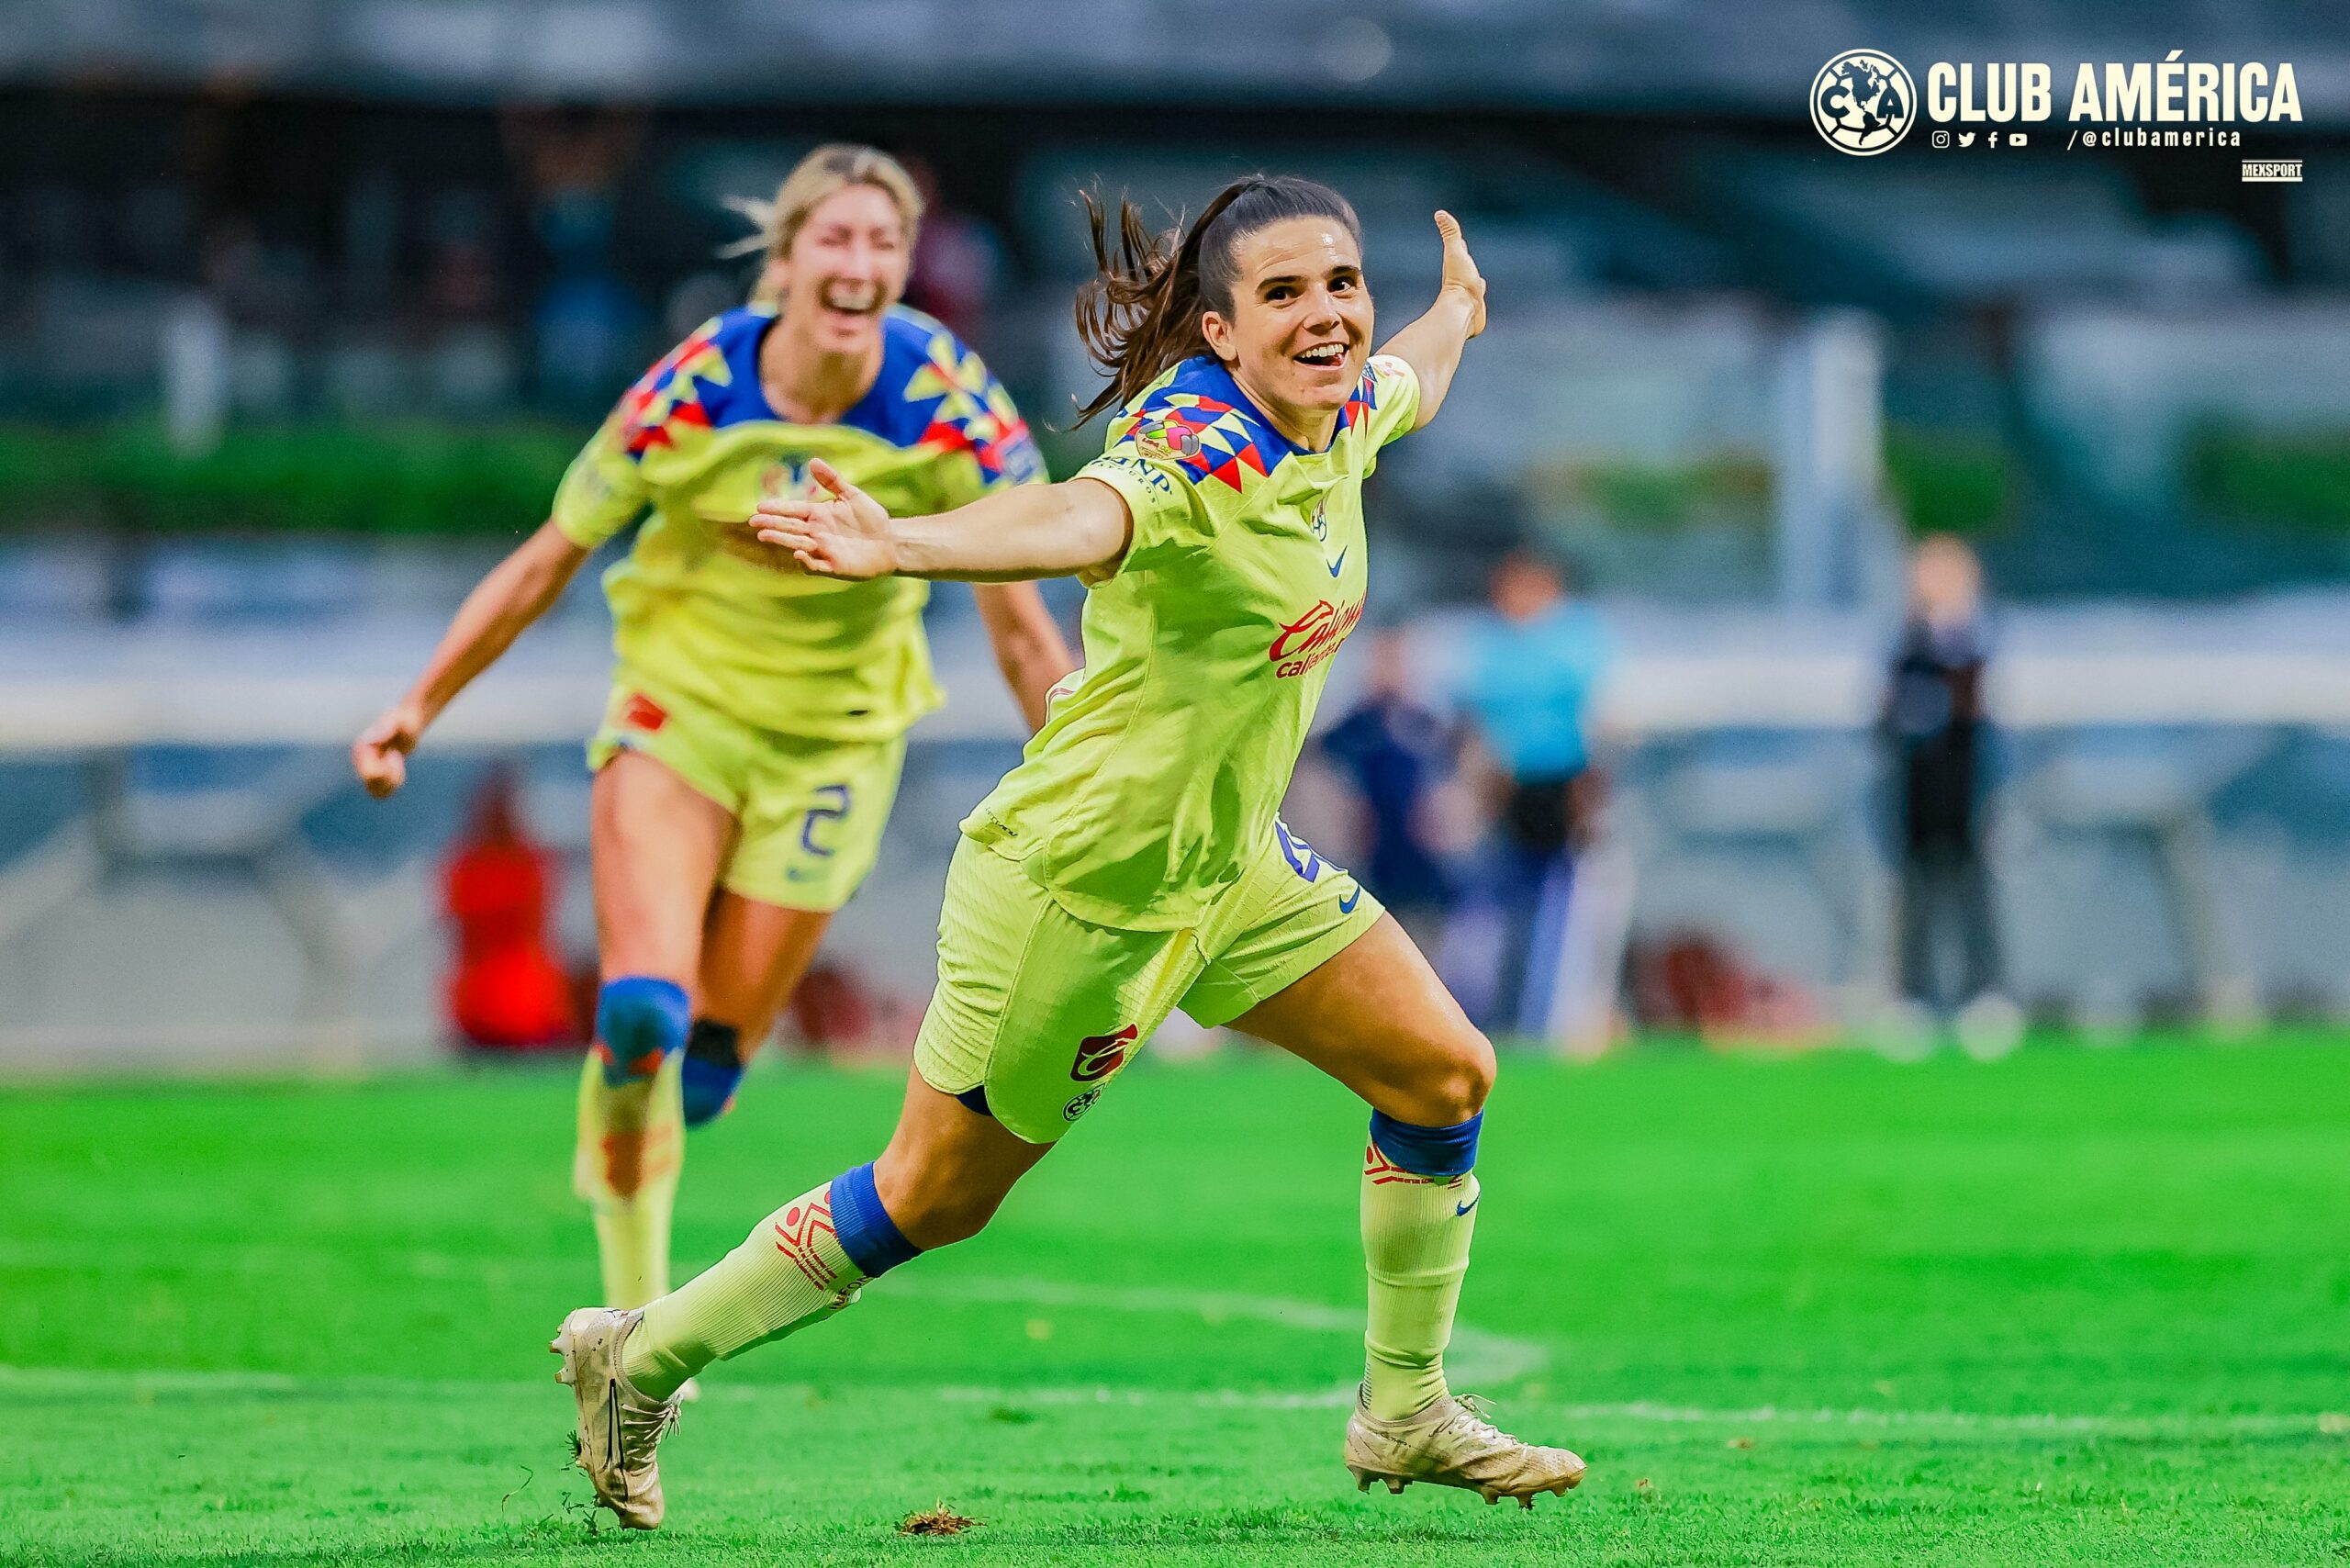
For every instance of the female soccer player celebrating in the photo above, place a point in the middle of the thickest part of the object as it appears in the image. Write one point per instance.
(752, 747)
(1132, 862)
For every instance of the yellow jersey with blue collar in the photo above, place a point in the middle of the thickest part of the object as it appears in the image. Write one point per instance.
(700, 608)
(1158, 774)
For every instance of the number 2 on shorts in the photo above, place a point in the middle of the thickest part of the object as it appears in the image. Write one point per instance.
(832, 803)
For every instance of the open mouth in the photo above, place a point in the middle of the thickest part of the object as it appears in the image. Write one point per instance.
(852, 302)
(1323, 356)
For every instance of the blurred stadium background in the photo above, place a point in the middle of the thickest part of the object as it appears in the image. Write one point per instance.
(303, 307)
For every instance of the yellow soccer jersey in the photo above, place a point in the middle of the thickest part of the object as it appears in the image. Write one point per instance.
(702, 609)
(1158, 773)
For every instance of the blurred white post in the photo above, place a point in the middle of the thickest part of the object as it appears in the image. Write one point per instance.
(1837, 548)
(1831, 408)
(196, 375)
(1591, 941)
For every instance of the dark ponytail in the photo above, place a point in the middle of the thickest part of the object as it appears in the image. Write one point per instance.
(1140, 315)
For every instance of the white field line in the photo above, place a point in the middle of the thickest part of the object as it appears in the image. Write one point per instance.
(1476, 1357)
(136, 1384)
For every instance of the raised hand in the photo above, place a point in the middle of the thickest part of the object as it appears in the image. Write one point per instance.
(1460, 269)
(842, 534)
(380, 754)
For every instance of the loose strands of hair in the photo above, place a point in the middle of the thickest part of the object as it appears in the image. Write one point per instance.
(1140, 313)
(829, 168)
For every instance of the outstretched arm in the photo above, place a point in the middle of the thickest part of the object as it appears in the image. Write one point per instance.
(1432, 344)
(516, 592)
(1028, 646)
(1015, 535)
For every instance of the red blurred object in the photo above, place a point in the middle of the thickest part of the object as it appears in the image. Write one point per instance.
(510, 990)
(1688, 981)
(837, 1011)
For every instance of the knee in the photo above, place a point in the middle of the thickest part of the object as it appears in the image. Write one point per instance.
(932, 1212)
(1477, 1072)
(640, 1020)
(1455, 1089)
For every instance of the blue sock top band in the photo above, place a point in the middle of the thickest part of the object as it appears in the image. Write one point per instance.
(707, 1088)
(639, 1021)
(1444, 1152)
(712, 1071)
(864, 1229)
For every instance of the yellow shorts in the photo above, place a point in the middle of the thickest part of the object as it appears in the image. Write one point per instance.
(1041, 1010)
(810, 811)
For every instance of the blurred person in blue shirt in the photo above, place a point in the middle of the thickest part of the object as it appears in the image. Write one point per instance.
(1394, 752)
(1532, 670)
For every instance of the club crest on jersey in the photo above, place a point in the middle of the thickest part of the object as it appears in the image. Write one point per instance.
(1099, 1056)
(1322, 519)
(1168, 440)
(1313, 637)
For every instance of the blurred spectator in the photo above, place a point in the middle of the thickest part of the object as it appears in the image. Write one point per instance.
(1935, 734)
(1532, 668)
(257, 285)
(586, 317)
(957, 260)
(1393, 750)
(461, 283)
(509, 991)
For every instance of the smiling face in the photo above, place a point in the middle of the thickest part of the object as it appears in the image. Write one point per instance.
(845, 267)
(1299, 328)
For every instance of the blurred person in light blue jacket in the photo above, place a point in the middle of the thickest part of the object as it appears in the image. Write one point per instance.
(1531, 668)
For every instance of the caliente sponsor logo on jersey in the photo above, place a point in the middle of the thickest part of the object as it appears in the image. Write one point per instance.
(1313, 637)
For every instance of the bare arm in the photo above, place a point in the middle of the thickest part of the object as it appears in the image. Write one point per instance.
(1028, 646)
(1015, 535)
(517, 591)
(1432, 344)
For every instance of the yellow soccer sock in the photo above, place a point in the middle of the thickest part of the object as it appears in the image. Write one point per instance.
(633, 1244)
(787, 1274)
(630, 1152)
(1416, 1233)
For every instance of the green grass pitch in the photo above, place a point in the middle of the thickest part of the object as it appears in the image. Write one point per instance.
(2073, 1306)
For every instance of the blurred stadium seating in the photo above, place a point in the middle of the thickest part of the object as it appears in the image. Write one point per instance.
(264, 415)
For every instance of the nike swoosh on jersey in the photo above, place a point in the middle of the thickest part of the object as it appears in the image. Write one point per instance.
(1338, 565)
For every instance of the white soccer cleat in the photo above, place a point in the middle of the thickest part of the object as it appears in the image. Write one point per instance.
(619, 1427)
(1451, 1444)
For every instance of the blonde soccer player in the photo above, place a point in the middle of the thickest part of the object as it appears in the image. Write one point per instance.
(751, 748)
(1132, 862)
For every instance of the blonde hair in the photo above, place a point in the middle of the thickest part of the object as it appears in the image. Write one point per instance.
(832, 167)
